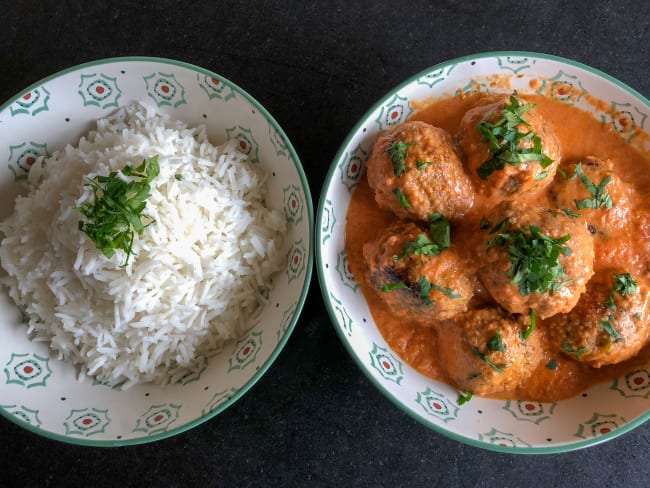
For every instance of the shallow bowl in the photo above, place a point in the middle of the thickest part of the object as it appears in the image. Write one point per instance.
(601, 413)
(43, 394)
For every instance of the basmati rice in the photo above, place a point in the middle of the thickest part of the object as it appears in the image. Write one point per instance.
(197, 277)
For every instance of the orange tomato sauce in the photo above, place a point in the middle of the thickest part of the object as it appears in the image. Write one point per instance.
(580, 134)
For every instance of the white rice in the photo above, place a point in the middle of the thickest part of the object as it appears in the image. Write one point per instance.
(197, 277)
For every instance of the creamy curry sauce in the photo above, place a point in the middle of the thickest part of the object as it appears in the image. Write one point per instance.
(580, 134)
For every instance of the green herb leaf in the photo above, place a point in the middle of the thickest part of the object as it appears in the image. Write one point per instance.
(526, 333)
(463, 398)
(178, 177)
(397, 152)
(487, 360)
(496, 343)
(568, 348)
(484, 224)
(423, 164)
(425, 290)
(552, 364)
(625, 284)
(609, 328)
(534, 259)
(601, 197)
(570, 213)
(505, 140)
(609, 303)
(115, 215)
(403, 201)
(440, 230)
(393, 286)
(449, 292)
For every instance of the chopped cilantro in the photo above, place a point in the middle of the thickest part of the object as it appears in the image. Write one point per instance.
(609, 328)
(403, 201)
(601, 197)
(496, 343)
(463, 398)
(487, 360)
(115, 215)
(534, 259)
(397, 152)
(505, 140)
(624, 284)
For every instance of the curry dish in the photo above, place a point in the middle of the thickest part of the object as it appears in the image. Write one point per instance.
(502, 244)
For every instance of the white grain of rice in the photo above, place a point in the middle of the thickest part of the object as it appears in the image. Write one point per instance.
(199, 273)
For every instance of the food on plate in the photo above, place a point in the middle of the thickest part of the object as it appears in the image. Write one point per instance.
(535, 259)
(416, 171)
(416, 271)
(138, 252)
(610, 323)
(554, 222)
(509, 148)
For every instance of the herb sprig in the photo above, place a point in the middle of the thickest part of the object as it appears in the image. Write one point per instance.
(397, 152)
(534, 259)
(115, 215)
(601, 197)
(505, 139)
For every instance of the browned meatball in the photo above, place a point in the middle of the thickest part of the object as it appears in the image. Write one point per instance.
(494, 177)
(536, 259)
(413, 281)
(590, 188)
(415, 171)
(489, 351)
(610, 323)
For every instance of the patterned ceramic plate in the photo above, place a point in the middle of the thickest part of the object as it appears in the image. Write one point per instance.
(42, 393)
(601, 413)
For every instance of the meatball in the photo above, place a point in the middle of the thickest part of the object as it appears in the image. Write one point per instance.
(592, 189)
(609, 324)
(415, 171)
(535, 259)
(532, 143)
(488, 351)
(412, 280)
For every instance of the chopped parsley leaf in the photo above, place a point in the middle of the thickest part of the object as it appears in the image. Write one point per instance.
(526, 333)
(601, 197)
(397, 152)
(568, 348)
(609, 328)
(463, 398)
(496, 343)
(504, 139)
(423, 164)
(487, 360)
(624, 284)
(403, 201)
(552, 364)
(534, 259)
(115, 215)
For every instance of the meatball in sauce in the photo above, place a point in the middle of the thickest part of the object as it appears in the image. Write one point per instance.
(509, 148)
(416, 171)
(536, 259)
(416, 276)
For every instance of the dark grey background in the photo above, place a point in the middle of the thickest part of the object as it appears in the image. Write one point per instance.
(314, 419)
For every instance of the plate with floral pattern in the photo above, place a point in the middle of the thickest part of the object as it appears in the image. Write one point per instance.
(43, 394)
(598, 414)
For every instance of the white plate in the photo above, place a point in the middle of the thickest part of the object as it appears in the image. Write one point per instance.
(42, 393)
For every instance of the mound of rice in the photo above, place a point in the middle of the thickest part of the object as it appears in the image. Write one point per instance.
(197, 277)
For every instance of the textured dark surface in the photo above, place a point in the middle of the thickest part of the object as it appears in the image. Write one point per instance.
(314, 419)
